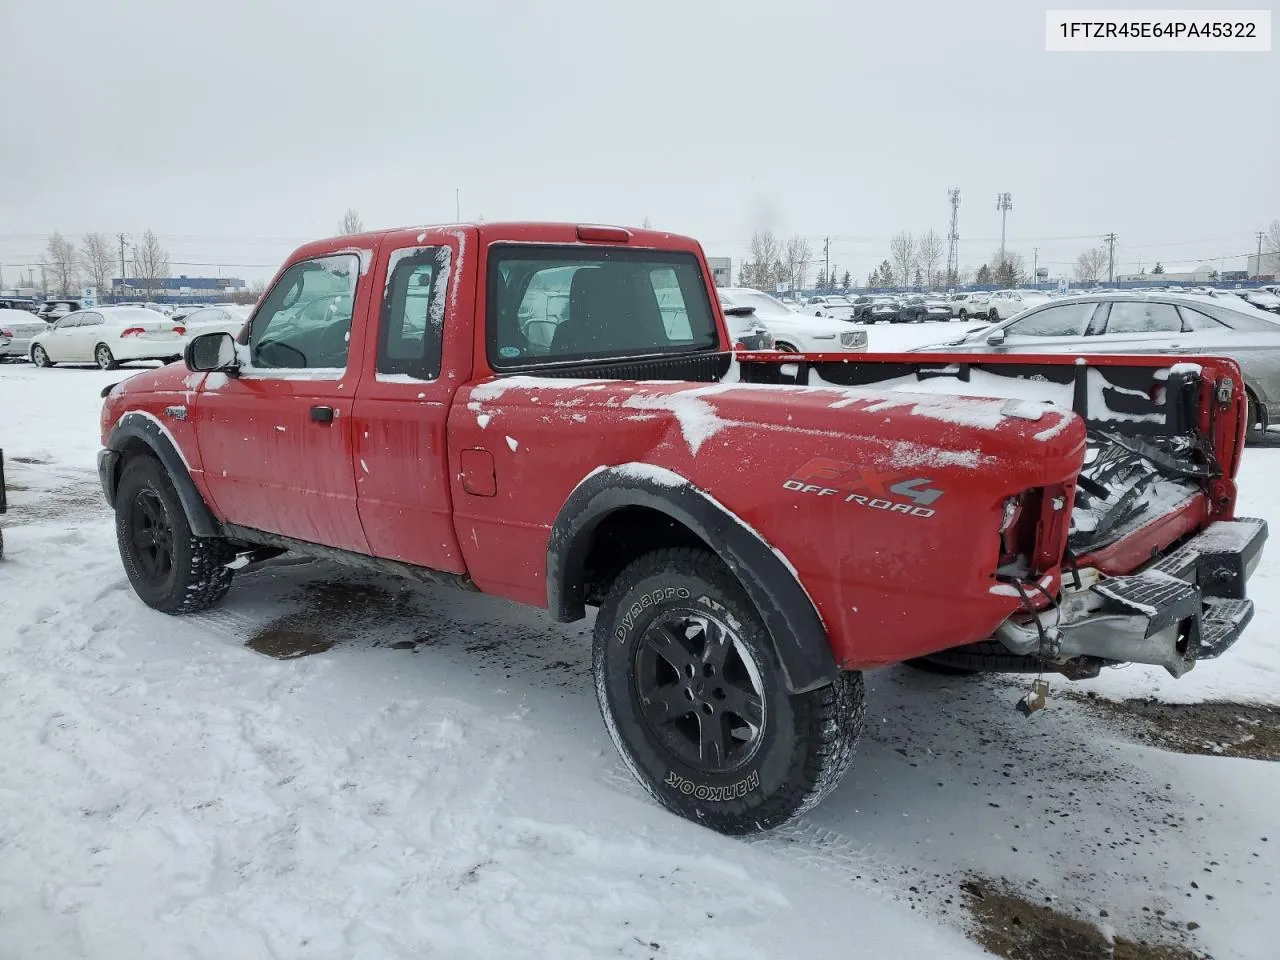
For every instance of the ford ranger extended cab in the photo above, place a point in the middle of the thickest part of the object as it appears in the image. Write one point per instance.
(555, 414)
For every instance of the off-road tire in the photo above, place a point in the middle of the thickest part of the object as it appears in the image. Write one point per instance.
(803, 744)
(103, 357)
(197, 576)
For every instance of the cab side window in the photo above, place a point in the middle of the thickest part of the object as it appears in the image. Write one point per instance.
(411, 326)
(305, 321)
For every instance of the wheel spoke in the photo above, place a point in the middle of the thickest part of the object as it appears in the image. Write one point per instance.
(743, 703)
(711, 739)
(144, 539)
(667, 703)
(666, 642)
(716, 644)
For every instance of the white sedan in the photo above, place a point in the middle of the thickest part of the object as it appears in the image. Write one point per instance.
(109, 336)
(1004, 304)
(223, 318)
(17, 327)
(795, 332)
(829, 306)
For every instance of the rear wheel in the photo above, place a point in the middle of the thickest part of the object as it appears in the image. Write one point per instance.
(1257, 419)
(169, 568)
(103, 358)
(691, 691)
(39, 357)
(964, 314)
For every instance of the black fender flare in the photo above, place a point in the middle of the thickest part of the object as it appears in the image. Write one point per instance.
(142, 427)
(799, 637)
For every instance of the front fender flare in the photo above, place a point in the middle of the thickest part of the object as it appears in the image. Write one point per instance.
(799, 637)
(146, 429)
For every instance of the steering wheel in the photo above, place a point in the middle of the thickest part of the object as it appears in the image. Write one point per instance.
(332, 344)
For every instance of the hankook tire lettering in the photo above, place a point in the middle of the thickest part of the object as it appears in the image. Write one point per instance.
(703, 791)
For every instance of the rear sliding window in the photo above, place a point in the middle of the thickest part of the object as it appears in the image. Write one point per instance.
(558, 304)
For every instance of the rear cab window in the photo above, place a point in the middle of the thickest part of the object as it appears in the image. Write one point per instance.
(557, 304)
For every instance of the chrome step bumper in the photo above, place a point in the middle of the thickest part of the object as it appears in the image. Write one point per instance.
(1189, 605)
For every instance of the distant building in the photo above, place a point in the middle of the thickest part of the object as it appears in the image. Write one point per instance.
(1205, 273)
(721, 270)
(1268, 265)
(175, 289)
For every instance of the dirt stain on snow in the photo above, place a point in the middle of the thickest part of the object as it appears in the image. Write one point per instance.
(333, 612)
(1212, 728)
(1013, 927)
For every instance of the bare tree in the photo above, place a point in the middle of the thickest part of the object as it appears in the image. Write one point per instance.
(1091, 265)
(902, 251)
(763, 269)
(645, 223)
(929, 253)
(150, 262)
(795, 261)
(350, 223)
(1273, 236)
(98, 260)
(61, 265)
(250, 294)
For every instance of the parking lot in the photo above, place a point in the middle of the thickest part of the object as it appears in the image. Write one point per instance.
(334, 762)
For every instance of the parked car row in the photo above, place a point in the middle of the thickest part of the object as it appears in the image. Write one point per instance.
(793, 332)
(1144, 323)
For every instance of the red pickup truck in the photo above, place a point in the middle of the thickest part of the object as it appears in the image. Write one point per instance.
(555, 414)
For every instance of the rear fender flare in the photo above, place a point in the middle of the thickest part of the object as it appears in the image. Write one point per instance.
(143, 427)
(799, 637)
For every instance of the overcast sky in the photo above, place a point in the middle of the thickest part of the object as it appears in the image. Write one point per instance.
(238, 129)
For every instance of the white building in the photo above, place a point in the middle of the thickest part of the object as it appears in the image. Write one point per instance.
(1204, 273)
(1266, 266)
(721, 270)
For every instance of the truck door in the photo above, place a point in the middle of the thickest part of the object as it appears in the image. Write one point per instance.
(276, 441)
(401, 449)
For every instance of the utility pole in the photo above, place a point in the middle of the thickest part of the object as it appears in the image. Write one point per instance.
(953, 236)
(1110, 240)
(1004, 203)
(1035, 267)
(826, 246)
(122, 238)
(1257, 267)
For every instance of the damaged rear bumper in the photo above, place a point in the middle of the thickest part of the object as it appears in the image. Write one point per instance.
(1189, 605)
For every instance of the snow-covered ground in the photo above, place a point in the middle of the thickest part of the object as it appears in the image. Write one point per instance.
(438, 782)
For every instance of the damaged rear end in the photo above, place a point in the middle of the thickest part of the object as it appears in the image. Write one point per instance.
(1141, 559)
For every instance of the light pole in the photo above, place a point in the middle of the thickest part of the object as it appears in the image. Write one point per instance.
(1004, 203)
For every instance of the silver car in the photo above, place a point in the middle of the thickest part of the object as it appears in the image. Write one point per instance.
(17, 327)
(1165, 323)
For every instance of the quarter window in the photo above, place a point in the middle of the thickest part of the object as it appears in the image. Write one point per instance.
(1197, 321)
(305, 321)
(412, 327)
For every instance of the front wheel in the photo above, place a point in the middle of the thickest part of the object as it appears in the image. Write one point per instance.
(783, 347)
(691, 691)
(39, 357)
(169, 568)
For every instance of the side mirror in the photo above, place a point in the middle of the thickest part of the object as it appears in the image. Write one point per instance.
(212, 353)
(995, 338)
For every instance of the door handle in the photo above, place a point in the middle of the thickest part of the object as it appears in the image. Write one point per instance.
(322, 414)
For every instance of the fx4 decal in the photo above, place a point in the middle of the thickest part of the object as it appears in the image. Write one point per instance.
(895, 491)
